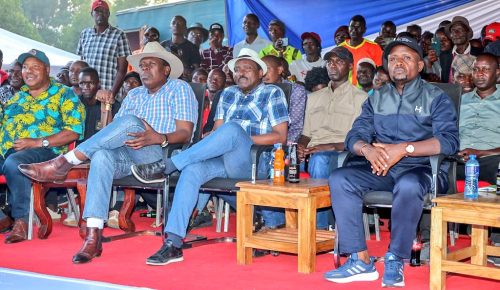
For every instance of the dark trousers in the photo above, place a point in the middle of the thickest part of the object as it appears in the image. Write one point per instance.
(18, 184)
(408, 185)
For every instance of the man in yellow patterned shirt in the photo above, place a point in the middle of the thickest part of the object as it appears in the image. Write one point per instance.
(36, 125)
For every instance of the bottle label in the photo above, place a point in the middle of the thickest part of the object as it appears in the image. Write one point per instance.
(471, 170)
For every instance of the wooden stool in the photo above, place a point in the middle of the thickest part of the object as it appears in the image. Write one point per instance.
(75, 175)
(481, 214)
(300, 200)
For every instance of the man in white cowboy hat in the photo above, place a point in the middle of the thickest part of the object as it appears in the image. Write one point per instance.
(162, 111)
(249, 113)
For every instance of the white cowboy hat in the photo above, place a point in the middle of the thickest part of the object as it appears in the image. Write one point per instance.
(154, 49)
(247, 53)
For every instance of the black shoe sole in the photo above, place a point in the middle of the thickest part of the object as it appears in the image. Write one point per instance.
(180, 259)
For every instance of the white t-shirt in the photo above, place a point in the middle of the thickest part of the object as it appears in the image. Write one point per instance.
(300, 67)
(257, 45)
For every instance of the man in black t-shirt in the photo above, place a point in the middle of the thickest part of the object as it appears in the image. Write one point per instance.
(181, 47)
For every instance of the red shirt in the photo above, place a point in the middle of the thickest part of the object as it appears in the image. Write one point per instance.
(368, 49)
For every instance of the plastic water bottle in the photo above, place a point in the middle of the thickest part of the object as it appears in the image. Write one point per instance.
(471, 191)
(271, 161)
(279, 165)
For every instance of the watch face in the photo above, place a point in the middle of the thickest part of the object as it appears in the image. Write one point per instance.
(45, 143)
(410, 148)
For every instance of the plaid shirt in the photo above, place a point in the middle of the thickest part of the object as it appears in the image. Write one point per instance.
(257, 112)
(175, 100)
(211, 59)
(101, 51)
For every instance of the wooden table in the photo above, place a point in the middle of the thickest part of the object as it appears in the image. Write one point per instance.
(481, 214)
(300, 236)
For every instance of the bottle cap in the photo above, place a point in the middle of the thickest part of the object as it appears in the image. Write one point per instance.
(472, 156)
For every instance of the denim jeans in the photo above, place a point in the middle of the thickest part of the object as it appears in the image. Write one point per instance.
(224, 153)
(110, 159)
(321, 164)
(19, 185)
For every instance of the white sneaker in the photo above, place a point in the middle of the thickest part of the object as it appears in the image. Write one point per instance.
(70, 220)
(113, 219)
(54, 215)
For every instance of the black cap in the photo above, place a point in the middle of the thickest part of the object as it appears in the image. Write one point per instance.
(216, 26)
(341, 52)
(406, 41)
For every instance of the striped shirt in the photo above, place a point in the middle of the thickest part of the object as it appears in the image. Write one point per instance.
(101, 51)
(257, 112)
(175, 100)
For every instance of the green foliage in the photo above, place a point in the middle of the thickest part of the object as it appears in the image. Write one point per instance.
(57, 22)
(13, 19)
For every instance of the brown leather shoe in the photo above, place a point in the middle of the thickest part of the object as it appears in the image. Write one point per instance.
(5, 224)
(92, 247)
(54, 170)
(19, 232)
(82, 230)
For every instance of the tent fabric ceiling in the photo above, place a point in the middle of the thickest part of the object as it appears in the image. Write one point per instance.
(12, 45)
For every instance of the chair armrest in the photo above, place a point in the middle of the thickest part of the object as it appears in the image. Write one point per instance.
(167, 151)
(343, 158)
(255, 153)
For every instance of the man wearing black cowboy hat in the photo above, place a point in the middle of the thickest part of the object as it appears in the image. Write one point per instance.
(197, 34)
(400, 126)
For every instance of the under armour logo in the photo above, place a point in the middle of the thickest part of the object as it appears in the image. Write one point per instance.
(418, 109)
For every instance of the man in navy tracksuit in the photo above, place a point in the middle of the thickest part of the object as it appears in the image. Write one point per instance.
(401, 124)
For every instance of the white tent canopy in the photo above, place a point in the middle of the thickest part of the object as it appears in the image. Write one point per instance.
(12, 45)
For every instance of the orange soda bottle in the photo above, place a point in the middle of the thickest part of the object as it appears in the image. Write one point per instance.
(279, 165)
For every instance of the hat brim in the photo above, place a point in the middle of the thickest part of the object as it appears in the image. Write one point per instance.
(470, 34)
(232, 63)
(27, 55)
(395, 43)
(176, 66)
(203, 30)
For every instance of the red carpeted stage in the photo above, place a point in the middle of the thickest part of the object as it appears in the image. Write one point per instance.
(208, 267)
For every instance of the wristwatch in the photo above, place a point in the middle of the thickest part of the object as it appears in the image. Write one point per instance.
(164, 143)
(410, 149)
(45, 143)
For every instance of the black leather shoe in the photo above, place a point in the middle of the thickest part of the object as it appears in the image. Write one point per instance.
(149, 173)
(167, 254)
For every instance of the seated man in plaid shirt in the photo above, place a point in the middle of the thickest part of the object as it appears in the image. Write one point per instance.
(162, 111)
(249, 113)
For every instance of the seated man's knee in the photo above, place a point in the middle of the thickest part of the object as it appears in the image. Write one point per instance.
(410, 187)
(131, 119)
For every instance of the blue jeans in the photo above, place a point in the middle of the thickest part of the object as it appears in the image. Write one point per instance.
(224, 153)
(408, 185)
(321, 164)
(110, 159)
(19, 185)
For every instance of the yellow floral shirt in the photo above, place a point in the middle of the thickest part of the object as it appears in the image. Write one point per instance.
(51, 112)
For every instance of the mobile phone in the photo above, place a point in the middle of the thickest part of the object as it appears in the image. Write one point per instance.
(284, 41)
(436, 45)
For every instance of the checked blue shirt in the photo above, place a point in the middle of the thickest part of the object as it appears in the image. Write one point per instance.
(257, 112)
(175, 100)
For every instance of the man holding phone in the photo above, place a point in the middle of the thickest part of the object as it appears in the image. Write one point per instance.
(280, 47)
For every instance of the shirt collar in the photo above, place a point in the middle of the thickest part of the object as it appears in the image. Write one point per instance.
(495, 95)
(257, 88)
(466, 51)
